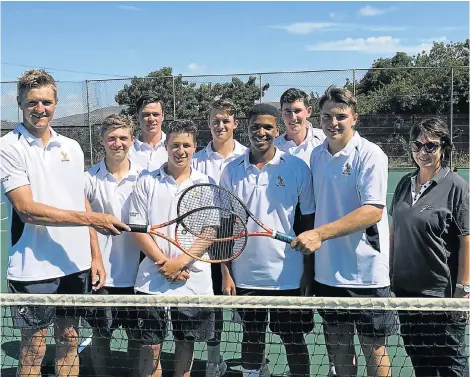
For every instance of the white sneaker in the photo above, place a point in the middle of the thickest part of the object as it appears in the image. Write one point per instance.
(216, 370)
(332, 371)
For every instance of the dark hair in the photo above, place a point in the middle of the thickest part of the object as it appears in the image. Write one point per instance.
(147, 98)
(35, 78)
(292, 95)
(182, 126)
(434, 128)
(339, 95)
(226, 105)
(263, 109)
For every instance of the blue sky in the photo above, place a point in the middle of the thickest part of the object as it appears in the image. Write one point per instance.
(134, 38)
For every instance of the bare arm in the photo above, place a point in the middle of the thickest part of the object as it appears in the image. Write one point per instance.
(98, 273)
(148, 245)
(33, 212)
(360, 218)
(391, 252)
(463, 275)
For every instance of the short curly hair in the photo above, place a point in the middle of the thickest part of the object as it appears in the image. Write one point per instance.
(35, 78)
(116, 121)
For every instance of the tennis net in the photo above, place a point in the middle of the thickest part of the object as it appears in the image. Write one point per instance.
(142, 315)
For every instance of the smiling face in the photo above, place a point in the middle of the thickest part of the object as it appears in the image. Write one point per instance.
(294, 116)
(426, 152)
(180, 148)
(338, 121)
(222, 125)
(117, 142)
(262, 130)
(38, 106)
(151, 118)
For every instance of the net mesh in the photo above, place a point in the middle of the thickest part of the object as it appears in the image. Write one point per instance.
(143, 316)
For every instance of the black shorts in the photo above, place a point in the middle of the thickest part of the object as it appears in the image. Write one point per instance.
(108, 319)
(41, 317)
(281, 321)
(371, 323)
(152, 325)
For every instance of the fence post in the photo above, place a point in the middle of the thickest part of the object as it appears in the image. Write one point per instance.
(451, 123)
(260, 89)
(174, 98)
(354, 82)
(90, 131)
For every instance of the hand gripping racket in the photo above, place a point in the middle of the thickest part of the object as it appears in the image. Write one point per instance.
(206, 194)
(209, 234)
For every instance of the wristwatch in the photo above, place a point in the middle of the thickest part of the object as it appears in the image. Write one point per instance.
(463, 287)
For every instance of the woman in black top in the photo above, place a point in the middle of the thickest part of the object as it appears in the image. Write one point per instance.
(429, 256)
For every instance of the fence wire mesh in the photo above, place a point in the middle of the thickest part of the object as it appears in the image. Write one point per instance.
(390, 101)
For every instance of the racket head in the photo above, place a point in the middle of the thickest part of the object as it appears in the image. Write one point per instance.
(208, 194)
(211, 234)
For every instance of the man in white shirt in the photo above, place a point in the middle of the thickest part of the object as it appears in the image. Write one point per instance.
(166, 270)
(148, 149)
(53, 244)
(300, 137)
(109, 185)
(271, 183)
(351, 237)
(211, 161)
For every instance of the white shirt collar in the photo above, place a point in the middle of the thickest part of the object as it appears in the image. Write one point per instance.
(238, 149)
(140, 145)
(133, 171)
(31, 139)
(276, 160)
(194, 177)
(282, 139)
(347, 150)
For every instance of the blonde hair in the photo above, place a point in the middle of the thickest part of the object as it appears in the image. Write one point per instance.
(35, 78)
(116, 121)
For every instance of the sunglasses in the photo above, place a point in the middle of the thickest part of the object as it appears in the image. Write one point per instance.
(429, 147)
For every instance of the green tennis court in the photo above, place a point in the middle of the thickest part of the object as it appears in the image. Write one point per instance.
(231, 338)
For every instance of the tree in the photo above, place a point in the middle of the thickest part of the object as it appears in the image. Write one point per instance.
(189, 100)
(388, 87)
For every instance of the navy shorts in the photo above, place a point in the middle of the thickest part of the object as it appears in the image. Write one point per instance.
(41, 317)
(281, 321)
(107, 319)
(152, 324)
(371, 323)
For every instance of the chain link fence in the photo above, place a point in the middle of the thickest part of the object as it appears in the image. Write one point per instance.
(390, 101)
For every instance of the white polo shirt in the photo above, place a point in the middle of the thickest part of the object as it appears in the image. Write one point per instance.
(56, 177)
(353, 177)
(154, 202)
(106, 195)
(314, 138)
(212, 163)
(149, 158)
(272, 194)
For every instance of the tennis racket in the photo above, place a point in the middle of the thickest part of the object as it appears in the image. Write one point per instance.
(209, 234)
(207, 194)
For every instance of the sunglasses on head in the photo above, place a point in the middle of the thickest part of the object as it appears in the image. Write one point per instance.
(429, 147)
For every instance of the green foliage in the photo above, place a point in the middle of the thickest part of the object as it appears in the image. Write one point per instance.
(192, 100)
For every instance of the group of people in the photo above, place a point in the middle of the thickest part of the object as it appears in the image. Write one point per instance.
(325, 186)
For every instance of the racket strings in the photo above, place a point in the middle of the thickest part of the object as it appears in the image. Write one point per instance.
(212, 234)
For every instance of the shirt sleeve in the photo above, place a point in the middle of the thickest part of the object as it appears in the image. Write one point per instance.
(372, 178)
(461, 212)
(89, 190)
(306, 194)
(12, 170)
(138, 209)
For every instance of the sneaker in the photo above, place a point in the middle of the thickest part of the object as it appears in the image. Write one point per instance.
(216, 370)
(332, 371)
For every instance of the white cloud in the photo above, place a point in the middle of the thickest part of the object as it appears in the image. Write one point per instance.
(129, 7)
(435, 39)
(369, 11)
(307, 27)
(312, 27)
(385, 44)
(336, 16)
(194, 67)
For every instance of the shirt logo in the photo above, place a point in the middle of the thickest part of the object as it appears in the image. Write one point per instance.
(64, 156)
(280, 181)
(347, 169)
(5, 178)
(425, 207)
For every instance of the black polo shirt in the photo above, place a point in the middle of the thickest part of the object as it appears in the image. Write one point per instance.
(426, 244)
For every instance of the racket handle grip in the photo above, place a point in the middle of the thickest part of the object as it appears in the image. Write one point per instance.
(136, 228)
(283, 237)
